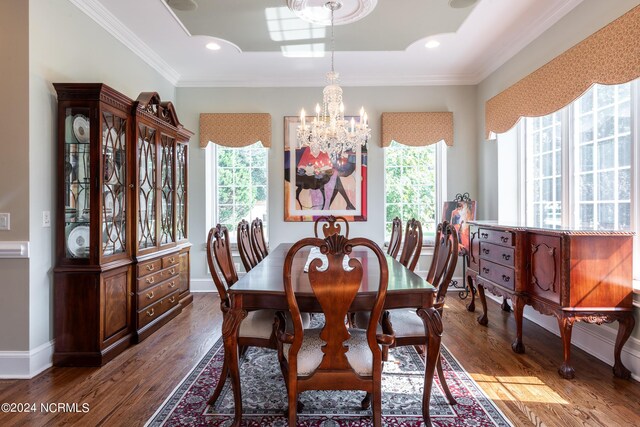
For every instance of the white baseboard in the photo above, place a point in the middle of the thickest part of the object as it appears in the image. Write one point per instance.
(26, 364)
(597, 340)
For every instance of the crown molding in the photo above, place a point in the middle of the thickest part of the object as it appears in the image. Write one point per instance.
(528, 35)
(250, 81)
(96, 11)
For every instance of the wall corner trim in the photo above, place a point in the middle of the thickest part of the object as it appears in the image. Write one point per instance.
(26, 364)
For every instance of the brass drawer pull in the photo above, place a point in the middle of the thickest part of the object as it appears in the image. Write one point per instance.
(485, 251)
(151, 312)
(484, 235)
(172, 271)
(150, 280)
(172, 260)
(151, 295)
(150, 267)
(485, 270)
(172, 300)
(506, 257)
(506, 278)
(172, 285)
(504, 239)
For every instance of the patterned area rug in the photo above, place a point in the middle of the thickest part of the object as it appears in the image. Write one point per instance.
(265, 397)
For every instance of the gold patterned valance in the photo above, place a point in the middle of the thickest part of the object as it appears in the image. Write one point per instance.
(235, 129)
(608, 56)
(417, 129)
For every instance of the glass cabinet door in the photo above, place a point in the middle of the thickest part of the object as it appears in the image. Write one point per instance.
(114, 167)
(147, 187)
(181, 191)
(77, 182)
(167, 192)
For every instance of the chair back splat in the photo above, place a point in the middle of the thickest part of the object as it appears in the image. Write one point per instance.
(219, 255)
(396, 237)
(445, 259)
(247, 255)
(412, 245)
(334, 357)
(258, 242)
(332, 226)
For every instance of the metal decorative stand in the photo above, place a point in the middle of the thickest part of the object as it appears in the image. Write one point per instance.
(464, 293)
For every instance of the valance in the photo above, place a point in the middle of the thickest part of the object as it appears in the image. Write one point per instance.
(235, 129)
(417, 129)
(609, 56)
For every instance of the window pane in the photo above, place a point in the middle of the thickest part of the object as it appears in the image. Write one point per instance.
(410, 185)
(585, 128)
(606, 154)
(624, 184)
(606, 218)
(605, 94)
(586, 158)
(586, 187)
(605, 186)
(624, 216)
(586, 101)
(624, 151)
(241, 186)
(586, 216)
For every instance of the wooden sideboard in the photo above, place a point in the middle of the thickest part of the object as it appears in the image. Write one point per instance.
(574, 275)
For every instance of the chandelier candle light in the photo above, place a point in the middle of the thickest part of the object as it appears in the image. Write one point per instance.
(330, 132)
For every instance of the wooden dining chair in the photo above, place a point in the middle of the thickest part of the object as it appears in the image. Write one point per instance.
(332, 226)
(257, 329)
(247, 255)
(406, 325)
(334, 357)
(396, 237)
(412, 244)
(258, 243)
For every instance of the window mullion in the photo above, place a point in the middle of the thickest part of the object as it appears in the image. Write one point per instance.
(567, 171)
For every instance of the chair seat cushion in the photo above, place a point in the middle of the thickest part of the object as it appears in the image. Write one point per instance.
(310, 355)
(406, 323)
(259, 323)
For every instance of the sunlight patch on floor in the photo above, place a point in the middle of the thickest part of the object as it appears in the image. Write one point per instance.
(518, 388)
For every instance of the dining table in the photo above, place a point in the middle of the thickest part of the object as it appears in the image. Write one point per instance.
(263, 288)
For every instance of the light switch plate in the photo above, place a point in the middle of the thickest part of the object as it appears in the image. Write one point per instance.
(46, 218)
(5, 221)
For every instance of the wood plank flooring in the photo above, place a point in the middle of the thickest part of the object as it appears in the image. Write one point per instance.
(128, 390)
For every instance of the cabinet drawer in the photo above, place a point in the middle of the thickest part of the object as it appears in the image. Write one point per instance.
(500, 254)
(148, 281)
(170, 272)
(496, 236)
(149, 267)
(151, 313)
(156, 293)
(170, 260)
(500, 275)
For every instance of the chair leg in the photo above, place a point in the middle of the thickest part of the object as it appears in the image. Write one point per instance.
(376, 406)
(224, 373)
(366, 401)
(443, 382)
(419, 349)
(293, 405)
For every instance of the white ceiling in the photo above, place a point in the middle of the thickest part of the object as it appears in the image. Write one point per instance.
(385, 48)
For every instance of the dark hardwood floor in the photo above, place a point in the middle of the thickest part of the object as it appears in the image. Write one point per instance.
(527, 388)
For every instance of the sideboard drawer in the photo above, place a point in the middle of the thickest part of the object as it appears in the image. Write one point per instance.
(149, 314)
(501, 254)
(170, 260)
(156, 293)
(171, 271)
(498, 237)
(500, 275)
(149, 267)
(148, 281)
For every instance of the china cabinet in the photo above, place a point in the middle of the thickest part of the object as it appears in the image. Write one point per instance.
(120, 165)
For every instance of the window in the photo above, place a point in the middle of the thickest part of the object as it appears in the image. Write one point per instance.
(237, 185)
(413, 185)
(578, 163)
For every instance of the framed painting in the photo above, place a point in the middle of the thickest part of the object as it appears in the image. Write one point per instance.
(318, 186)
(459, 212)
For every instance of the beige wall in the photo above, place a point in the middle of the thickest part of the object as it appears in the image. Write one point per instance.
(14, 169)
(280, 102)
(45, 41)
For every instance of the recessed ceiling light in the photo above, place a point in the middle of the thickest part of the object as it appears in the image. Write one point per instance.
(432, 44)
(213, 46)
(459, 4)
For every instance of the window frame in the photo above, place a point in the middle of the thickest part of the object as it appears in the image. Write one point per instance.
(211, 195)
(440, 186)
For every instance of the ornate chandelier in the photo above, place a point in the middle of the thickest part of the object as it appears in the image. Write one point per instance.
(329, 132)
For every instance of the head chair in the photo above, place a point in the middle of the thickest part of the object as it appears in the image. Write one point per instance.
(331, 226)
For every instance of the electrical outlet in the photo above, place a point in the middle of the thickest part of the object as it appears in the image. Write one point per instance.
(46, 218)
(5, 221)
